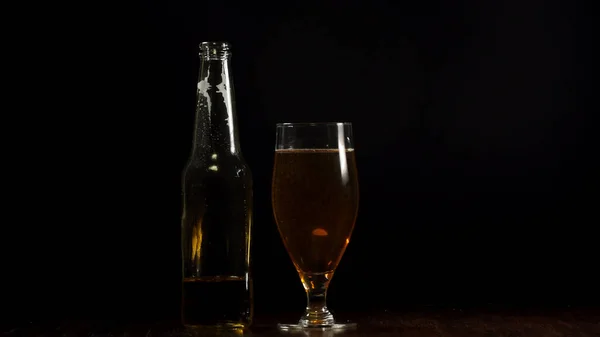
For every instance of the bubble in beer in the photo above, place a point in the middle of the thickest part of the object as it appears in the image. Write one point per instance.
(319, 232)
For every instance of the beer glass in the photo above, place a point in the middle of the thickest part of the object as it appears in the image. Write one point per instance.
(315, 203)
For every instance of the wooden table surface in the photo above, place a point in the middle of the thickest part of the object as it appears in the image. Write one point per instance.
(414, 324)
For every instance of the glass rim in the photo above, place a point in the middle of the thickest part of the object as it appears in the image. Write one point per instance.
(313, 124)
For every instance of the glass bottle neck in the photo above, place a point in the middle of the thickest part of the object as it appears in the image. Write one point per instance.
(216, 125)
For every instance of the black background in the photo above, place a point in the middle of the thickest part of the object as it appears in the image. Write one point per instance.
(473, 136)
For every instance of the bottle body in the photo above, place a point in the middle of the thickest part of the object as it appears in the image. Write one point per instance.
(217, 210)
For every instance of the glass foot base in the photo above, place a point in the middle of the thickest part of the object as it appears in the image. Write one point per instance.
(299, 327)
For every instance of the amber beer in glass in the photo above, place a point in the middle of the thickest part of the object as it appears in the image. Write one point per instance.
(315, 203)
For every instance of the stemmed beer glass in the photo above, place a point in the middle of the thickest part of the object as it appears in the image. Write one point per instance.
(315, 203)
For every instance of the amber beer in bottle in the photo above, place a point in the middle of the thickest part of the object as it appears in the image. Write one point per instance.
(217, 205)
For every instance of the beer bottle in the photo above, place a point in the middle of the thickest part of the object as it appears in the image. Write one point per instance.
(217, 205)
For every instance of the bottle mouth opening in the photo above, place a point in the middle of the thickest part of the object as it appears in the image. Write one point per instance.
(215, 50)
(313, 124)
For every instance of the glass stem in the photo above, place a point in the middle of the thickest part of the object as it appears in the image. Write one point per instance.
(316, 314)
